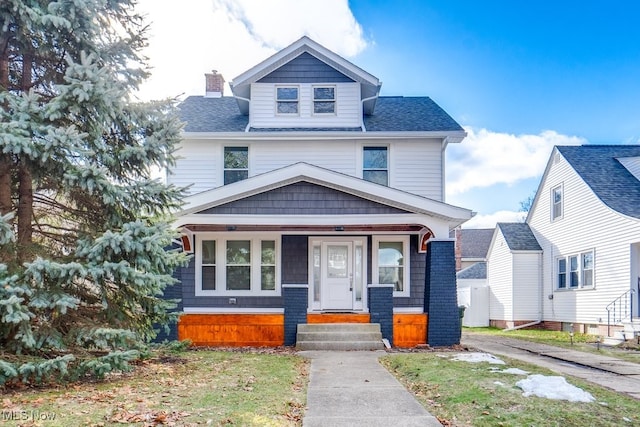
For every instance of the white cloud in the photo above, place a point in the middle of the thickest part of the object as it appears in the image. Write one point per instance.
(490, 220)
(231, 36)
(486, 158)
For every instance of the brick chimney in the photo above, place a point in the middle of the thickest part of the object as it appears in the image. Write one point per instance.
(214, 84)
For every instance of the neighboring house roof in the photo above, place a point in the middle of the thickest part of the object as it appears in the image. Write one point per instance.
(392, 114)
(519, 236)
(601, 169)
(475, 271)
(475, 242)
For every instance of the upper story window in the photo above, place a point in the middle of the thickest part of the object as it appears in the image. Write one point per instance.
(575, 271)
(236, 164)
(556, 202)
(375, 165)
(324, 100)
(287, 99)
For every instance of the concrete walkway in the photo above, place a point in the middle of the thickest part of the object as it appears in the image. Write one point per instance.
(351, 388)
(615, 374)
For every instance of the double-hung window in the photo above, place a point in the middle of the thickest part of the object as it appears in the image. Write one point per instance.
(390, 259)
(375, 161)
(556, 203)
(236, 164)
(243, 265)
(324, 100)
(575, 271)
(287, 99)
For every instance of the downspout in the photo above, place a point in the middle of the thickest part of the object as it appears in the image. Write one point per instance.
(526, 325)
(364, 129)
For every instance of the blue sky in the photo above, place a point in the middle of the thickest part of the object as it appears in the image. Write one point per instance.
(519, 76)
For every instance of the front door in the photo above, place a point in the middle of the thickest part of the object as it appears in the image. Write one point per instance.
(337, 275)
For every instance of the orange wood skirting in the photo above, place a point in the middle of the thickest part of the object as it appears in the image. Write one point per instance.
(338, 318)
(409, 330)
(232, 330)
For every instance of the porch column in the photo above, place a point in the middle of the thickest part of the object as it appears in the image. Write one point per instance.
(440, 297)
(296, 302)
(381, 309)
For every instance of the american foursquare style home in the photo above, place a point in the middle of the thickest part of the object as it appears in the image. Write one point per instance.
(315, 201)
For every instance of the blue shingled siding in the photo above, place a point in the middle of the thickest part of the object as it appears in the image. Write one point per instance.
(305, 68)
(303, 198)
(441, 300)
(295, 310)
(381, 309)
(295, 260)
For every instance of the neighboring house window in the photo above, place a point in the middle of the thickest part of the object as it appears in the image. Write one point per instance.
(576, 271)
(556, 203)
(239, 266)
(562, 273)
(375, 165)
(236, 164)
(287, 99)
(573, 272)
(587, 270)
(391, 267)
(324, 100)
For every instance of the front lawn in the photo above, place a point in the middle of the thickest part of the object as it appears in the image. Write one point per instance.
(263, 388)
(480, 394)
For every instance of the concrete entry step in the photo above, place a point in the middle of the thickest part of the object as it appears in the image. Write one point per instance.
(339, 336)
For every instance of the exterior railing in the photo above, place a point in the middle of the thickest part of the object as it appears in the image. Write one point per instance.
(621, 308)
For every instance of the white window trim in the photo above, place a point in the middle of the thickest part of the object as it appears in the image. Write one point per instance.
(223, 169)
(334, 100)
(552, 204)
(405, 240)
(275, 95)
(580, 271)
(360, 161)
(221, 270)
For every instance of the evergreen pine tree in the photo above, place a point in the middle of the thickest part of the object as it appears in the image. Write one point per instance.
(84, 227)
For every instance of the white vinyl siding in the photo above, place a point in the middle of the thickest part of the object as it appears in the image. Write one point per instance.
(526, 285)
(587, 223)
(199, 165)
(500, 277)
(417, 167)
(263, 112)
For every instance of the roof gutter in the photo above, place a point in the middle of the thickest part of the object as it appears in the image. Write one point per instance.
(246, 129)
(364, 129)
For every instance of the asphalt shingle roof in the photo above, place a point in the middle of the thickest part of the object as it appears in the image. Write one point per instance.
(610, 181)
(475, 242)
(519, 236)
(393, 113)
(474, 271)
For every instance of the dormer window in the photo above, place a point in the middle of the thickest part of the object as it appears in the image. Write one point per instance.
(287, 99)
(324, 100)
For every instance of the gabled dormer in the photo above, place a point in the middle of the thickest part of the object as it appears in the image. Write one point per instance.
(306, 86)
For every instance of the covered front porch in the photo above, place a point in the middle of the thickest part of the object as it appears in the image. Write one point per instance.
(305, 245)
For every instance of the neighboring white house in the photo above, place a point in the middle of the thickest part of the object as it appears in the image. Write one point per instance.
(306, 181)
(586, 219)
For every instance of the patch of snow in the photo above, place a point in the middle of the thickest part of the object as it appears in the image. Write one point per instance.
(478, 357)
(514, 371)
(498, 383)
(556, 388)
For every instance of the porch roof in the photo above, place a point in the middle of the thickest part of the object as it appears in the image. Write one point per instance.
(413, 210)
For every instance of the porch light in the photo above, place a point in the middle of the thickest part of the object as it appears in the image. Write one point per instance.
(231, 228)
(339, 228)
